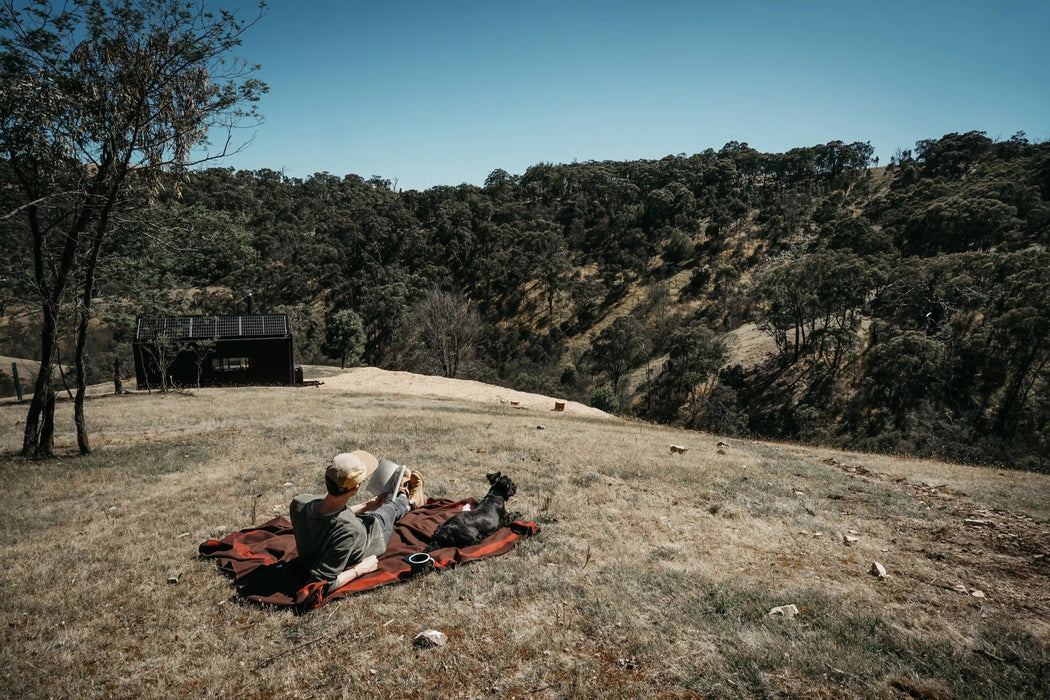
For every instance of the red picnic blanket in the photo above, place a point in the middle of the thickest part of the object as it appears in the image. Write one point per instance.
(266, 568)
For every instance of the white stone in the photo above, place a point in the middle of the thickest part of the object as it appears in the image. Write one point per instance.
(977, 593)
(849, 540)
(877, 570)
(430, 638)
(785, 610)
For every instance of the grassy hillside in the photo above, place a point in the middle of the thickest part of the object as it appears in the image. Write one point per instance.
(653, 575)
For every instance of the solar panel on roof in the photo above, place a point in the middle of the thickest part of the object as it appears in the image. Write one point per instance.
(198, 327)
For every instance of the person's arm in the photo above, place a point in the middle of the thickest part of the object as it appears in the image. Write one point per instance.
(365, 566)
(368, 505)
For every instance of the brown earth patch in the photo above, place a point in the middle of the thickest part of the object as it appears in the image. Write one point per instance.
(981, 545)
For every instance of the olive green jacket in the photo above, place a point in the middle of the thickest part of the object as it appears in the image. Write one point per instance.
(330, 544)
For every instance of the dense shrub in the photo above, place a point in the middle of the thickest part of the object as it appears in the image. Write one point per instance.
(604, 399)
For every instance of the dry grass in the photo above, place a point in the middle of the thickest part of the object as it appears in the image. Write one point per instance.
(653, 574)
(750, 346)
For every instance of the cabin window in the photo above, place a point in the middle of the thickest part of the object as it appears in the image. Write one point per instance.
(231, 364)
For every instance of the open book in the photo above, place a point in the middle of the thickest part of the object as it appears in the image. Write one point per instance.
(386, 479)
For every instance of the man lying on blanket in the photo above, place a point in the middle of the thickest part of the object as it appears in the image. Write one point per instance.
(337, 543)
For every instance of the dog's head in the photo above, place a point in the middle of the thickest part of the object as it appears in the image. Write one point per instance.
(502, 484)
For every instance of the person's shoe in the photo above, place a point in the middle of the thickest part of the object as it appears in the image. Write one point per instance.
(415, 489)
(403, 488)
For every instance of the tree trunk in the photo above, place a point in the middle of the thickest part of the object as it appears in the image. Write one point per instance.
(85, 316)
(38, 440)
(34, 445)
(118, 384)
(46, 445)
(78, 402)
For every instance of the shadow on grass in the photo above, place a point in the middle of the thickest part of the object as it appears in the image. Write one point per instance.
(158, 457)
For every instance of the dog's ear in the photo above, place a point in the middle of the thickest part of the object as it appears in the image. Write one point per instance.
(492, 477)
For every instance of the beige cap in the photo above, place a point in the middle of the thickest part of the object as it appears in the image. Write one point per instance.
(348, 471)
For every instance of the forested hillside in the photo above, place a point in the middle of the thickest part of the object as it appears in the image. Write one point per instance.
(908, 306)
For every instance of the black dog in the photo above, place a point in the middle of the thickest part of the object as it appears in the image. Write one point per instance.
(472, 526)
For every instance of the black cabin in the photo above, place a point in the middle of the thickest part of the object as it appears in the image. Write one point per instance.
(214, 350)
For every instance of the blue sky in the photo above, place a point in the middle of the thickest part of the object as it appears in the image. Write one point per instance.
(440, 93)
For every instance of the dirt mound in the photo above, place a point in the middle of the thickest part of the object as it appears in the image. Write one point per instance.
(379, 381)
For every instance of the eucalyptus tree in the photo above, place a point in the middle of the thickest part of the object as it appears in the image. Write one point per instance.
(687, 379)
(621, 345)
(100, 99)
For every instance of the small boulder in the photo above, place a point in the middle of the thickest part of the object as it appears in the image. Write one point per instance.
(785, 610)
(430, 638)
(878, 570)
(849, 540)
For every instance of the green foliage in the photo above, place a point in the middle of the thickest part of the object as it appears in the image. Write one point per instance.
(538, 383)
(907, 307)
(678, 248)
(130, 88)
(687, 380)
(953, 154)
(604, 399)
(623, 344)
(344, 337)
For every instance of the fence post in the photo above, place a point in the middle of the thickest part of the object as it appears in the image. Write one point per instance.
(18, 384)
